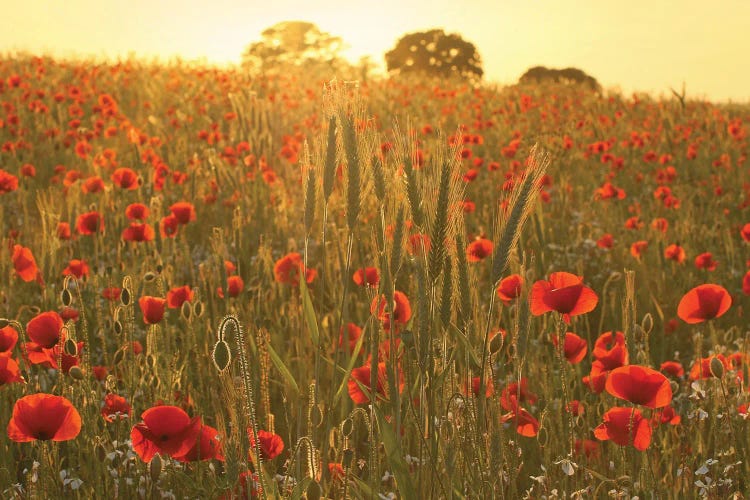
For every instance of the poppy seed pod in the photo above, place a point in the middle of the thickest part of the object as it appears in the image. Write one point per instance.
(716, 367)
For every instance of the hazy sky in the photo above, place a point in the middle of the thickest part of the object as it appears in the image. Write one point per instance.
(647, 45)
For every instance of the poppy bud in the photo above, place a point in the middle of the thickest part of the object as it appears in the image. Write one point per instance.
(186, 311)
(496, 343)
(638, 334)
(125, 297)
(34, 310)
(149, 276)
(221, 355)
(647, 323)
(76, 372)
(198, 309)
(347, 427)
(66, 297)
(70, 347)
(155, 467)
(100, 452)
(118, 357)
(117, 327)
(716, 367)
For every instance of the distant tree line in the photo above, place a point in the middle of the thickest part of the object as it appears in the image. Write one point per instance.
(433, 53)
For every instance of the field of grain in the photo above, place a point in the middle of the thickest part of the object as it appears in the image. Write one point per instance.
(405, 288)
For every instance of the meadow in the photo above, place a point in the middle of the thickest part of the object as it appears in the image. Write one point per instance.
(214, 285)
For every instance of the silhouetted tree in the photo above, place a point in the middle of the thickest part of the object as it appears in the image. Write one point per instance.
(436, 53)
(539, 74)
(292, 43)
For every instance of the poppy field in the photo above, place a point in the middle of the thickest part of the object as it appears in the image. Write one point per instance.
(221, 286)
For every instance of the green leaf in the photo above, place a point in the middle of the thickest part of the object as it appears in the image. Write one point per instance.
(309, 312)
(283, 369)
(395, 457)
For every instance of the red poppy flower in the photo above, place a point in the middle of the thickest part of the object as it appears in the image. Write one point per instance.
(168, 226)
(745, 232)
(115, 407)
(24, 263)
(100, 372)
(701, 369)
(401, 310)
(90, 223)
(183, 211)
(704, 302)
(353, 334)
(419, 244)
(575, 347)
(610, 350)
(526, 424)
(111, 293)
(515, 393)
(489, 388)
(625, 426)
(675, 252)
(564, 293)
(637, 248)
(136, 211)
(588, 447)
(176, 296)
(152, 308)
(207, 446)
(478, 250)
(705, 261)
(667, 415)
(235, 285)
(44, 329)
(8, 339)
(640, 385)
(288, 269)
(367, 276)
(8, 182)
(672, 368)
(271, 445)
(509, 288)
(746, 283)
(336, 470)
(360, 378)
(10, 373)
(63, 231)
(606, 241)
(167, 430)
(597, 377)
(138, 232)
(93, 185)
(77, 268)
(44, 417)
(125, 178)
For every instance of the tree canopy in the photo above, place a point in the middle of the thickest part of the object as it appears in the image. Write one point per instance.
(292, 43)
(539, 74)
(436, 53)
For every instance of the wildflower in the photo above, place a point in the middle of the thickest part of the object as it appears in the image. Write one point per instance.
(704, 302)
(44, 417)
(115, 406)
(44, 329)
(183, 211)
(125, 178)
(90, 223)
(479, 250)
(166, 430)
(138, 232)
(625, 426)
(367, 276)
(574, 348)
(271, 444)
(640, 385)
(289, 267)
(401, 310)
(564, 293)
(152, 308)
(360, 378)
(509, 288)
(178, 295)
(136, 211)
(24, 263)
(8, 339)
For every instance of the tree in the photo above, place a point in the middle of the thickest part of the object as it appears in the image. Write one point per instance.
(539, 74)
(436, 53)
(292, 43)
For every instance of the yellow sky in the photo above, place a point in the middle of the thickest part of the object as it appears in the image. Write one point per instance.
(647, 45)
